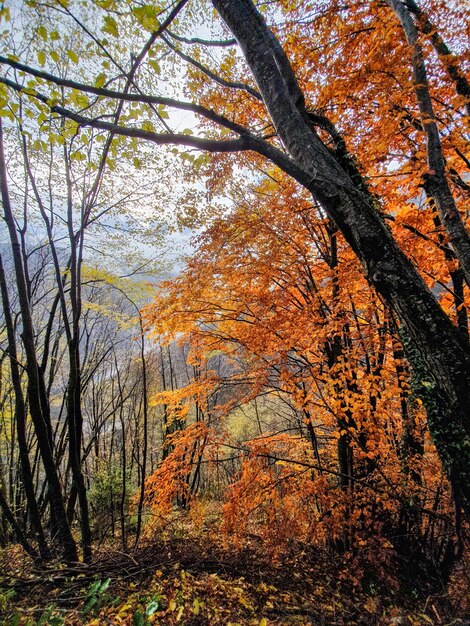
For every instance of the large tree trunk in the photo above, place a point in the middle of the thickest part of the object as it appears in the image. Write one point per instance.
(432, 342)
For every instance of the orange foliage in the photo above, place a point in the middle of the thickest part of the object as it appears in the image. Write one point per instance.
(274, 288)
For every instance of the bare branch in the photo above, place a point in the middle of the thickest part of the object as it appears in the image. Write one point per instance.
(215, 77)
(221, 43)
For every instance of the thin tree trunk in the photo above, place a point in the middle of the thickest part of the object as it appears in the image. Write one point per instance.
(39, 413)
(462, 85)
(436, 183)
(145, 432)
(16, 527)
(20, 420)
(74, 399)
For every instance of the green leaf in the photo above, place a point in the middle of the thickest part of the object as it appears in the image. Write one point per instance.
(155, 66)
(39, 145)
(55, 56)
(5, 14)
(147, 16)
(42, 32)
(104, 585)
(54, 35)
(100, 80)
(110, 26)
(7, 113)
(41, 58)
(93, 601)
(140, 12)
(148, 126)
(77, 156)
(29, 91)
(138, 619)
(79, 98)
(152, 607)
(94, 588)
(54, 139)
(15, 619)
(73, 56)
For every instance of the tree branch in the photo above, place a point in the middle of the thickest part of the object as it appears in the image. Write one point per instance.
(245, 142)
(221, 43)
(117, 95)
(449, 61)
(215, 77)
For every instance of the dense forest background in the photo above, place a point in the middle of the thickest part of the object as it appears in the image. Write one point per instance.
(281, 401)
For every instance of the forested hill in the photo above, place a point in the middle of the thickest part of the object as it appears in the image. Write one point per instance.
(270, 423)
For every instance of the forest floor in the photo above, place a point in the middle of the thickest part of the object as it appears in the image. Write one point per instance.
(194, 580)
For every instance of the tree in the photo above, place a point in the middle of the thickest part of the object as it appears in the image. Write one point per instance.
(309, 148)
(386, 267)
(272, 291)
(56, 200)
